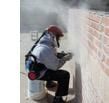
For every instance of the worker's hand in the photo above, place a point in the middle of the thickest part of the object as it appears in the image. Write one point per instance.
(68, 56)
(61, 55)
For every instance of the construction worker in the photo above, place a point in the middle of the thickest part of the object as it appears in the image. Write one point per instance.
(46, 54)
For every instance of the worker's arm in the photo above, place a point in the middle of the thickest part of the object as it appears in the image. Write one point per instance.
(52, 62)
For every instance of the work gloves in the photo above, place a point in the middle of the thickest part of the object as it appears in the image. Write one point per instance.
(64, 56)
(68, 57)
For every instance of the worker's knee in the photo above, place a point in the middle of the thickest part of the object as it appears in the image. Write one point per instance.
(66, 75)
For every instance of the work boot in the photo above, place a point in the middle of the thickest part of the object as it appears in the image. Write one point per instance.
(58, 100)
(51, 84)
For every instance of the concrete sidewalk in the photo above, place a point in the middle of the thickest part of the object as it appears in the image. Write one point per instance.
(25, 45)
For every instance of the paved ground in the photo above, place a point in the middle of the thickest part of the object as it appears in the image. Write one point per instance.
(25, 45)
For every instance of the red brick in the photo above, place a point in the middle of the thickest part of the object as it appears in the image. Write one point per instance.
(107, 61)
(98, 43)
(95, 33)
(106, 49)
(103, 67)
(104, 58)
(102, 28)
(99, 36)
(95, 25)
(99, 53)
(105, 20)
(94, 48)
(105, 40)
(96, 18)
(107, 31)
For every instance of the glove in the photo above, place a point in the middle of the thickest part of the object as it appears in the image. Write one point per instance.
(68, 56)
(60, 55)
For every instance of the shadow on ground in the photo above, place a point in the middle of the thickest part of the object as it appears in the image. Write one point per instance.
(78, 84)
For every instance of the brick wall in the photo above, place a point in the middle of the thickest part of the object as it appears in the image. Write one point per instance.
(97, 38)
(88, 35)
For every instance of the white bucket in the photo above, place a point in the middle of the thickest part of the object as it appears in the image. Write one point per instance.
(36, 89)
